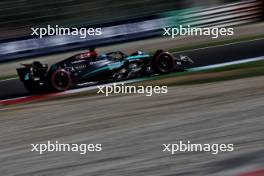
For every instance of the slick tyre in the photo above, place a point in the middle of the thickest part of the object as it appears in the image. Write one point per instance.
(163, 62)
(61, 80)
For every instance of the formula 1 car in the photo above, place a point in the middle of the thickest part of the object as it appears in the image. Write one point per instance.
(89, 67)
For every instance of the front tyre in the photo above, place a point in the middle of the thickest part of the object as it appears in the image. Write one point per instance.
(61, 80)
(163, 63)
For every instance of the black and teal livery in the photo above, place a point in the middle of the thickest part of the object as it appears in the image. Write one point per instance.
(89, 68)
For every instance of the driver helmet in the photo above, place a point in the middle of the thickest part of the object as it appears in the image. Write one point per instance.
(140, 52)
(93, 52)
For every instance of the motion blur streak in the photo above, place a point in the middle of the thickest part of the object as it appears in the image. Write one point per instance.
(132, 130)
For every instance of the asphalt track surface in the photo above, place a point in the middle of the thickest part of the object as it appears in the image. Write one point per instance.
(132, 129)
(202, 57)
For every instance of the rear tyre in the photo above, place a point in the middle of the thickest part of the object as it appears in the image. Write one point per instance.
(61, 80)
(163, 62)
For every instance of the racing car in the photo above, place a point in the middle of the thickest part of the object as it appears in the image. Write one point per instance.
(89, 67)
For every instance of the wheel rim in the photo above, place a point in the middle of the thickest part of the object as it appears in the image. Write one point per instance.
(61, 80)
(165, 62)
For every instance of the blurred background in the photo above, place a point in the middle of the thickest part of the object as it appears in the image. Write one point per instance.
(121, 21)
(18, 16)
